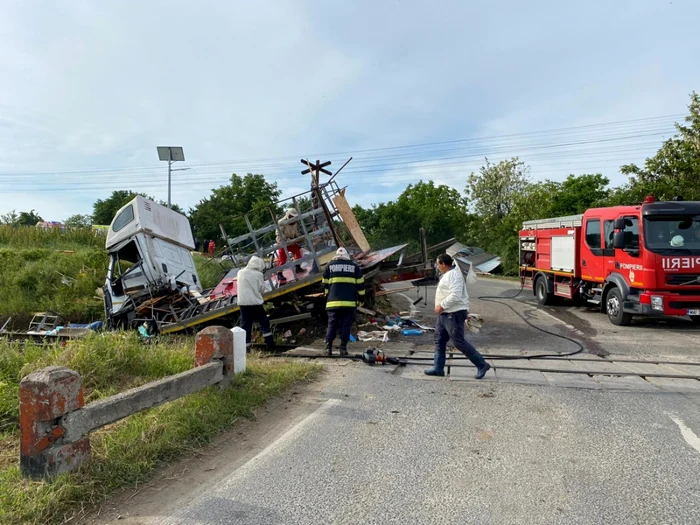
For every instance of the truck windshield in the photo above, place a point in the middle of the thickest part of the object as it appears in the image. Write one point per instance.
(676, 235)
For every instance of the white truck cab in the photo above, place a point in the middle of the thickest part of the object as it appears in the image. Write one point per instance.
(149, 247)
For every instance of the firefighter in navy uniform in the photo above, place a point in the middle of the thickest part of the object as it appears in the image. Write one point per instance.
(344, 287)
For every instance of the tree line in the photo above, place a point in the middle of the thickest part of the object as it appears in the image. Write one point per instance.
(488, 213)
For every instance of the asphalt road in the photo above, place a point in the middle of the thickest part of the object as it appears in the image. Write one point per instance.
(504, 327)
(383, 449)
(374, 446)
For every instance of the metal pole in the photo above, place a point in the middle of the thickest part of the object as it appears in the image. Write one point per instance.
(170, 160)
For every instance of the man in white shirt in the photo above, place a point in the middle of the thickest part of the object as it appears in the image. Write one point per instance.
(251, 287)
(452, 307)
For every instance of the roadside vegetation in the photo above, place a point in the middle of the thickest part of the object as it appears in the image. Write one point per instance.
(42, 270)
(128, 452)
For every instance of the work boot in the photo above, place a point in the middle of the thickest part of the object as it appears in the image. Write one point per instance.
(481, 372)
(281, 279)
(343, 348)
(329, 348)
(438, 368)
(270, 343)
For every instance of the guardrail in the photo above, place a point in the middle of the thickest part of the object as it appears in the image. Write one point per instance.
(55, 423)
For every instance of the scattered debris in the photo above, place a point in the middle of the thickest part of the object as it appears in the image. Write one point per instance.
(483, 261)
(382, 336)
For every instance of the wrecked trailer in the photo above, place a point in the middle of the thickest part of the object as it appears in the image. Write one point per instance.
(152, 280)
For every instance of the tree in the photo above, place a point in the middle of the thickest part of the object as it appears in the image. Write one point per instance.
(9, 218)
(675, 168)
(440, 210)
(28, 218)
(103, 211)
(578, 193)
(494, 190)
(226, 205)
(78, 221)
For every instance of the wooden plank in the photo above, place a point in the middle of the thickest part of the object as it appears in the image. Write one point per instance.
(350, 221)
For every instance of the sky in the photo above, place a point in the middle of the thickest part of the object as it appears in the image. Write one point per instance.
(411, 90)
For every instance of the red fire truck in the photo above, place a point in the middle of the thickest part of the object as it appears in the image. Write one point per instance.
(629, 260)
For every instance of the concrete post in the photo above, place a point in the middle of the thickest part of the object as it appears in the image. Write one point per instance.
(215, 343)
(239, 350)
(45, 397)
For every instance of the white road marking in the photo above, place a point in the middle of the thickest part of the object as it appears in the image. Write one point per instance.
(688, 435)
(283, 439)
(276, 445)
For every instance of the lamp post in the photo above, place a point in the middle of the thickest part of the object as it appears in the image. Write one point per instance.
(171, 154)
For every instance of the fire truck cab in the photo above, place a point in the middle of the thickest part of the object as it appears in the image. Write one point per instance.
(629, 260)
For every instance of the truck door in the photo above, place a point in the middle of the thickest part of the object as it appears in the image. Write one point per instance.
(628, 261)
(592, 258)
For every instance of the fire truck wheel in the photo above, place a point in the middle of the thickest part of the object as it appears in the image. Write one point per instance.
(695, 319)
(543, 295)
(613, 306)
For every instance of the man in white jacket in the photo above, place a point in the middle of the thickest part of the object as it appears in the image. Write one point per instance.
(251, 287)
(452, 307)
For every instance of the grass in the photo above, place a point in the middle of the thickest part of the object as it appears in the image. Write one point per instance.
(128, 452)
(27, 237)
(210, 270)
(39, 279)
(44, 270)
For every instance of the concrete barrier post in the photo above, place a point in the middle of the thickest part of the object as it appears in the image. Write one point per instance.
(215, 343)
(45, 397)
(239, 350)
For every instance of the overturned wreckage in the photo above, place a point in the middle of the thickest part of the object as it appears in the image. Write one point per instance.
(152, 280)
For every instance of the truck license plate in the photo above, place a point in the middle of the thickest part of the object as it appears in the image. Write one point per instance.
(693, 312)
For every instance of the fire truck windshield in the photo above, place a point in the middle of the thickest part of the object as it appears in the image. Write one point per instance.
(673, 235)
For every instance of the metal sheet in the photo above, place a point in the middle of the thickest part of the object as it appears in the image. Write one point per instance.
(374, 258)
(489, 266)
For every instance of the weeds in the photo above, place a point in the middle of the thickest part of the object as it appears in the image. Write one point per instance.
(25, 237)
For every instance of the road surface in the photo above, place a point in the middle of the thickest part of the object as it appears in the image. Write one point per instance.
(372, 445)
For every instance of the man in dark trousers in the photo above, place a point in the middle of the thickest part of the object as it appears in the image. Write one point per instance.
(344, 287)
(452, 307)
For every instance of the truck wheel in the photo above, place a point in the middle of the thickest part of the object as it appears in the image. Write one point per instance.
(613, 306)
(541, 292)
(695, 319)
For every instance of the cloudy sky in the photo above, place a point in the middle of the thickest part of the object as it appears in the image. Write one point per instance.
(410, 89)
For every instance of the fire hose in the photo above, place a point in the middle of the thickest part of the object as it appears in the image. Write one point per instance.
(372, 356)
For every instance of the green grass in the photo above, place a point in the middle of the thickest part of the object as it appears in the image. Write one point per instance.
(128, 452)
(210, 271)
(26, 237)
(49, 270)
(40, 279)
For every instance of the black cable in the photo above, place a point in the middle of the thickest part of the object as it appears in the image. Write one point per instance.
(495, 299)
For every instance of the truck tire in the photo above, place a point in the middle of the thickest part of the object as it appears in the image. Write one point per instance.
(541, 291)
(613, 307)
(695, 319)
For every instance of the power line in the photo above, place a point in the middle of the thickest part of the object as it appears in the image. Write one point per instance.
(286, 159)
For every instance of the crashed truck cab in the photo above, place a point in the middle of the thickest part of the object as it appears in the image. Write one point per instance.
(149, 248)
